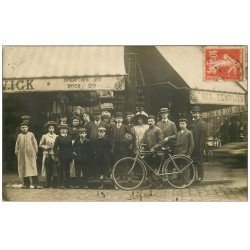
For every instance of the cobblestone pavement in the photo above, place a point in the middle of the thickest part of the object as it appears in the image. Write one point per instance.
(195, 193)
(220, 184)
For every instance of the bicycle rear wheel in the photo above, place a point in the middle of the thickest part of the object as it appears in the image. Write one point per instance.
(128, 174)
(179, 171)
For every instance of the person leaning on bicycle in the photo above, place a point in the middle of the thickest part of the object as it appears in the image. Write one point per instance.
(153, 138)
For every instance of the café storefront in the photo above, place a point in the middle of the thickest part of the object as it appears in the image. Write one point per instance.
(47, 81)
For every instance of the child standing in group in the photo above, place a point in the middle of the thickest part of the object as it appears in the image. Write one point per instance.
(63, 155)
(102, 154)
(47, 143)
(81, 155)
(26, 150)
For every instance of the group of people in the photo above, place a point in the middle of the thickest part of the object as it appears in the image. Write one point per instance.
(91, 147)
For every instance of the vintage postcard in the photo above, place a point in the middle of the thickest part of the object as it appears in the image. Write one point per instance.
(125, 123)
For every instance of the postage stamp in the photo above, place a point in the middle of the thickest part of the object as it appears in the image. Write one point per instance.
(224, 63)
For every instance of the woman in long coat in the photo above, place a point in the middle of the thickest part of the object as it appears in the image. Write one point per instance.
(26, 150)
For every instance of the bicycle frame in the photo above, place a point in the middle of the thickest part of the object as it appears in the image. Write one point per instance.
(157, 173)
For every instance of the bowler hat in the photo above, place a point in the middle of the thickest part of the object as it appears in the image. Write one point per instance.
(50, 123)
(164, 110)
(25, 117)
(196, 109)
(82, 130)
(119, 114)
(101, 129)
(65, 126)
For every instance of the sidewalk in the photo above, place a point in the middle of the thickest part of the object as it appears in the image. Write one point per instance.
(215, 173)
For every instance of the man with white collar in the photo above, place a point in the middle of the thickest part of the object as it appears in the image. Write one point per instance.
(168, 127)
(199, 130)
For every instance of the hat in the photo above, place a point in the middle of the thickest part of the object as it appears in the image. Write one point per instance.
(196, 109)
(129, 113)
(101, 129)
(183, 120)
(151, 117)
(105, 114)
(50, 123)
(25, 117)
(141, 114)
(82, 130)
(24, 123)
(75, 118)
(97, 112)
(164, 110)
(119, 114)
(61, 126)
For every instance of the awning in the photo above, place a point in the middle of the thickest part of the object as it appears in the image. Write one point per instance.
(63, 68)
(188, 63)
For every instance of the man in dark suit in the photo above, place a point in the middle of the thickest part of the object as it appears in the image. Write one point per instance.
(63, 152)
(199, 130)
(168, 127)
(120, 138)
(92, 136)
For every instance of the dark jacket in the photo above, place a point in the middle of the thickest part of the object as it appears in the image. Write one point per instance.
(63, 148)
(199, 130)
(118, 136)
(153, 138)
(92, 129)
(73, 132)
(168, 128)
(184, 143)
(102, 149)
(81, 150)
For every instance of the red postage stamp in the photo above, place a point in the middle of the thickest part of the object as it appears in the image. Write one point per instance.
(224, 64)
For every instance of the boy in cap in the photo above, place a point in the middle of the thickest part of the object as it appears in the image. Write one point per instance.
(47, 143)
(168, 127)
(121, 138)
(102, 154)
(63, 154)
(199, 130)
(25, 119)
(26, 150)
(92, 136)
(81, 154)
(184, 143)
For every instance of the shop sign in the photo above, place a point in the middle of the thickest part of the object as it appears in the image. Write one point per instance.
(225, 111)
(207, 97)
(64, 84)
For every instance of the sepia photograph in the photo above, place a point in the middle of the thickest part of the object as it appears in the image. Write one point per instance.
(125, 123)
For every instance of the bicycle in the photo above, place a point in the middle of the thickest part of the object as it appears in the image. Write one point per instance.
(177, 170)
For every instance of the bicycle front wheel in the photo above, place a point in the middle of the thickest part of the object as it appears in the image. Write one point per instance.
(179, 171)
(128, 173)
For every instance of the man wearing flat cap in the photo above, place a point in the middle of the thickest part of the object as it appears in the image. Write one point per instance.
(128, 120)
(168, 127)
(199, 130)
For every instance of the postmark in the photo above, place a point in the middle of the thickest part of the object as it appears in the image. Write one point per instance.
(223, 63)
